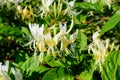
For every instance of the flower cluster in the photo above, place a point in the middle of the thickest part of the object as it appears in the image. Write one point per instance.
(100, 49)
(56, 12)
(24, 13)
(45, 41)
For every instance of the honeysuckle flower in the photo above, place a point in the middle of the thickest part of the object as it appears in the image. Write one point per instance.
(70, 6)
(108, 3)
(46, 4)
(17, 74)
(100, 49)
(71, 3)
(52, 42)
(37, 37)
(3, 71)
(64, 41)
(36, 31)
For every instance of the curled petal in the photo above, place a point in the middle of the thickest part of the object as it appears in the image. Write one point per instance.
(74, 36)
(17, 74)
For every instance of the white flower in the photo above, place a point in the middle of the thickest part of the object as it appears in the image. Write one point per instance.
(70, 6)
(37, 33)
(35, 30)
(64, 40)
(17, 74)
(100, 49)
(46, 4)
(37, 40)
(71, 3)
(3, 71)
(108, 3)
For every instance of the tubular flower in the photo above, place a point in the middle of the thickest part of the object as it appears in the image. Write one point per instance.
(3, 71)
(50, 42)
(46, 4)
(17, 74)
(37, 40)
(100, 49)
(64, 41)
(70, 6)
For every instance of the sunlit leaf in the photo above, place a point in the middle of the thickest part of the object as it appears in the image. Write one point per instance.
(88, 6)
(9, 31)
(118, 73)
(111, 23)
(30, 65)
(110, 66)
(26, 31)
(57, 74)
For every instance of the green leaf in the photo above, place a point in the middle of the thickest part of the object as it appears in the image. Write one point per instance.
(86, 75)
(82, 40)
(53, 62)
(57, 74)
(26, 31)
(41, 69)
(118, 73)
(9, 31)
(88, 6)
(1, 37)
(110, 66)
(111, 23)
(30, 65)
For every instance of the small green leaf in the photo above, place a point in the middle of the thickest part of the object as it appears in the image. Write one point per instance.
(30, 65)
(55, 63)
(57, 74)
(41, 69)
(111, 23)
(82, 40)
(86, 75)
(26, 31)
(88, 6)
(10, 31)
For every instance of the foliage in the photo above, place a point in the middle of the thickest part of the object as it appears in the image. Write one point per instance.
(60, 39)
